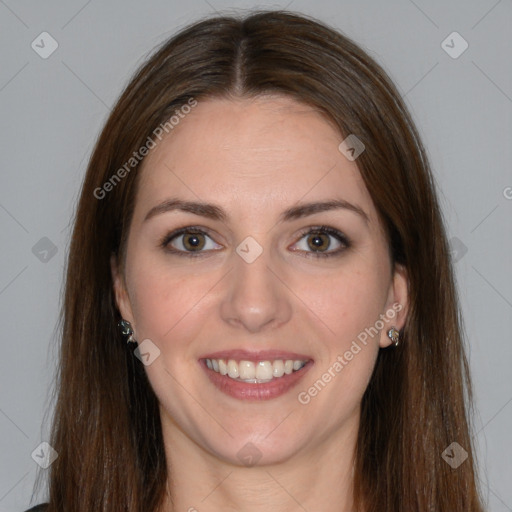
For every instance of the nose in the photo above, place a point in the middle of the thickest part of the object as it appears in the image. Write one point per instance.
(255, 297)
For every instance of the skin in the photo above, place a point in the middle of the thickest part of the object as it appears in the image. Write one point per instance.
(255, 158)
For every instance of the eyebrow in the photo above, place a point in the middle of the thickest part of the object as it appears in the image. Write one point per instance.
(214, 212)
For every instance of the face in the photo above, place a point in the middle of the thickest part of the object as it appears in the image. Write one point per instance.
(254, 242)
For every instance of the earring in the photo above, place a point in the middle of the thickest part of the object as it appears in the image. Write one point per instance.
(126, 330)
(394, 335)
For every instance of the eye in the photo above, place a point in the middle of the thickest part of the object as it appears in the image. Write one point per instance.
(317, 240)
(189, 241)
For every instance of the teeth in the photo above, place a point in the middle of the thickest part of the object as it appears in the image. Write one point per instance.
(223, 367)
(233, 371)
(296, 365)
(278, 368)
(248, 371)
(264, 370)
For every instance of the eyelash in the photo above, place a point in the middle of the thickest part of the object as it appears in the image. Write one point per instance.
(314, 230)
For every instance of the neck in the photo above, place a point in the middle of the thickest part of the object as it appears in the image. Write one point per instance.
(320, 477)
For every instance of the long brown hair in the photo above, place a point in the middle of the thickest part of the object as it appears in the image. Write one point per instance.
(106, 427)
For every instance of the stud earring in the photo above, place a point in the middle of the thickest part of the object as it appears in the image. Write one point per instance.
(126, 330)
(394, 335)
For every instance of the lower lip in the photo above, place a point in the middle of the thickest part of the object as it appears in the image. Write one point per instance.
(264, 391)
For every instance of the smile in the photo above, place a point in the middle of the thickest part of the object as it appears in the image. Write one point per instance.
(255, 376)
(255, 373)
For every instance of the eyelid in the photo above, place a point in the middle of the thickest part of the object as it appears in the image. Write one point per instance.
(320, 229)
(323, 228)
(168, 237)
(343, 239)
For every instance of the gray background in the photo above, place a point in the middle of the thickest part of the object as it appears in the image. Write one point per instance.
(52, 110)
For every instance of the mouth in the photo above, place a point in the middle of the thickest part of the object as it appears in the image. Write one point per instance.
(255, 376)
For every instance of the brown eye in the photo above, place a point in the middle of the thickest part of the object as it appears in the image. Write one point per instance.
(318, 241)
(189, 241)
(193, 241)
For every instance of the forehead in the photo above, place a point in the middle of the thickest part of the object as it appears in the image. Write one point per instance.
(256, 154)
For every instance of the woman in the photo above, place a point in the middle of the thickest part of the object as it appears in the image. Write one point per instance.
(260, 308)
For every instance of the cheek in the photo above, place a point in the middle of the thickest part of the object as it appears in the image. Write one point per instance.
(165, 303)
(348, 305)
(348, 313)
(346, 301)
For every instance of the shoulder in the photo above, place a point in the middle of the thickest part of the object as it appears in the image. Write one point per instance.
(38, 508)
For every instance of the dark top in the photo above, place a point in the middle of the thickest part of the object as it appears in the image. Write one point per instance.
(38, 508)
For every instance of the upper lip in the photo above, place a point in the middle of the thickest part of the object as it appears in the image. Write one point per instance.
(257, 355)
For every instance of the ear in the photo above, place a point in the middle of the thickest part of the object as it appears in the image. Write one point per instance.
(397, 305)
(120, 292)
